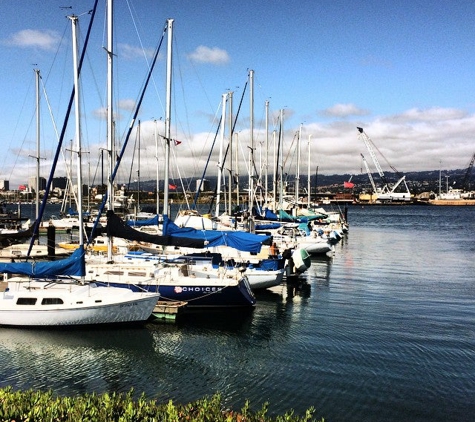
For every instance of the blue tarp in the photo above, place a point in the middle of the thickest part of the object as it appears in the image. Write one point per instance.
(268, 226)
(242, 241)
(269, 215)
(71, 266)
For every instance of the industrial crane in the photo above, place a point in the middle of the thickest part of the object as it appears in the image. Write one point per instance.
(466, 179)
(369, 174)
(388, 191)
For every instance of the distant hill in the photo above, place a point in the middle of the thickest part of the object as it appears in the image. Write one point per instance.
(421, 181)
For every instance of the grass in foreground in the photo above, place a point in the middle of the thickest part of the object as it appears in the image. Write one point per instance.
(31, 406)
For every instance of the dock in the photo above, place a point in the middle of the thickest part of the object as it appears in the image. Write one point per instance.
(166, 310)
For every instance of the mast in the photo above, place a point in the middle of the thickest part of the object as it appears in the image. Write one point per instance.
(251, 133)
(297, 175)
(230, 184)
(168, 116)
(237, 168)
(74, 22)
(281, 165)
(220, 159)
(266, 154)
(440, 178)
(309, 187)
(37, 78)
(158, 172)
(274, 176)
(110, 117)
(138, 171)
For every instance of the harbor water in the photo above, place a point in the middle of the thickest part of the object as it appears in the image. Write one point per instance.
(383, 331)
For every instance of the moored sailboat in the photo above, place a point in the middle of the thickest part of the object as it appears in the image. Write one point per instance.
(55, 293)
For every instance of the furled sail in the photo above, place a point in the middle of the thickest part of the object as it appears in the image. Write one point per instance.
(242, 241)
(74, 265)
(117, 228)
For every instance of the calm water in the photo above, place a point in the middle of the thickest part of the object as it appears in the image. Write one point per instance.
(384, 331)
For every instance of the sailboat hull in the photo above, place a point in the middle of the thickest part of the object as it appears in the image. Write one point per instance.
(208, 296)
(42, 304)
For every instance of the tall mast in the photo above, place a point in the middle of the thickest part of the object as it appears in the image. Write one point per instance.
(74, 22)
(230, 184)
(237, 167)
(309, 187)
(297, 175)
(251, 133)
(220, 159)
(157, 170)
(267, 154)
(37, 187)
(138, 170)
(110, 117)
(168, 111)
(281, 146)
(274, 177)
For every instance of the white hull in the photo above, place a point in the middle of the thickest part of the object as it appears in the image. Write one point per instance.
(260, 279)
(315, 246)
(39, 303)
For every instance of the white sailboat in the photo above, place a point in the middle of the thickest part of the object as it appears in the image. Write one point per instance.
(55, 293)
(69, 303)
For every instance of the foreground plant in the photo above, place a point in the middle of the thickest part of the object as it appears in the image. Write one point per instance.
(31, 406)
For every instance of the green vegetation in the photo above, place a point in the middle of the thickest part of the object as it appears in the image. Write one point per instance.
(31, 406)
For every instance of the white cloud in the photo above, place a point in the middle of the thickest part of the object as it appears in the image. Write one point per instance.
(435, 114)
(127, 104)
(43, 40)
(213, 55)
(344, 110)
(130, 52)
(413, 140)
(100, 113)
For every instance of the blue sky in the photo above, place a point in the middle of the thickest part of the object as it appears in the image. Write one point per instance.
(402, 70)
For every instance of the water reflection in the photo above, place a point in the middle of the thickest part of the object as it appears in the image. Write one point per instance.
(71, 361)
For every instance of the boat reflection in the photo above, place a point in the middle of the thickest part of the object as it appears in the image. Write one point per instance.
(72, 361)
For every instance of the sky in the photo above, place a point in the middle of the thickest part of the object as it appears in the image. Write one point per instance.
(403, 71)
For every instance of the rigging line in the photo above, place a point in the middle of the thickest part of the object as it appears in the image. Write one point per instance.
(180, 178)
(17, 156)
(290, 150)
(55, 128)
(146, 53)
(60, 45)
(133, 160)
(185, 103)
(119, 158)
(68, 111)
(229, 143)
(385, 159)
(198, 189)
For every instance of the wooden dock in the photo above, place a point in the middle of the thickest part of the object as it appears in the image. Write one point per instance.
(168, 310)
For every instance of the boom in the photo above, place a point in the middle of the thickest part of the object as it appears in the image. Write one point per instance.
(368, 144)
(369, 173)
(387, 192)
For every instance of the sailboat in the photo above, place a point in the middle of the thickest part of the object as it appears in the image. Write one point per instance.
(174, 282)
(56, 293)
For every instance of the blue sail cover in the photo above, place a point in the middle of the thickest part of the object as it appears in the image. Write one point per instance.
(74, 265)
(269, 215)
(242, 241)
(143, 222)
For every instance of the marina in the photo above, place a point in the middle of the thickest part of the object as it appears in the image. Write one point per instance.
(210, 268)
(381, 331)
